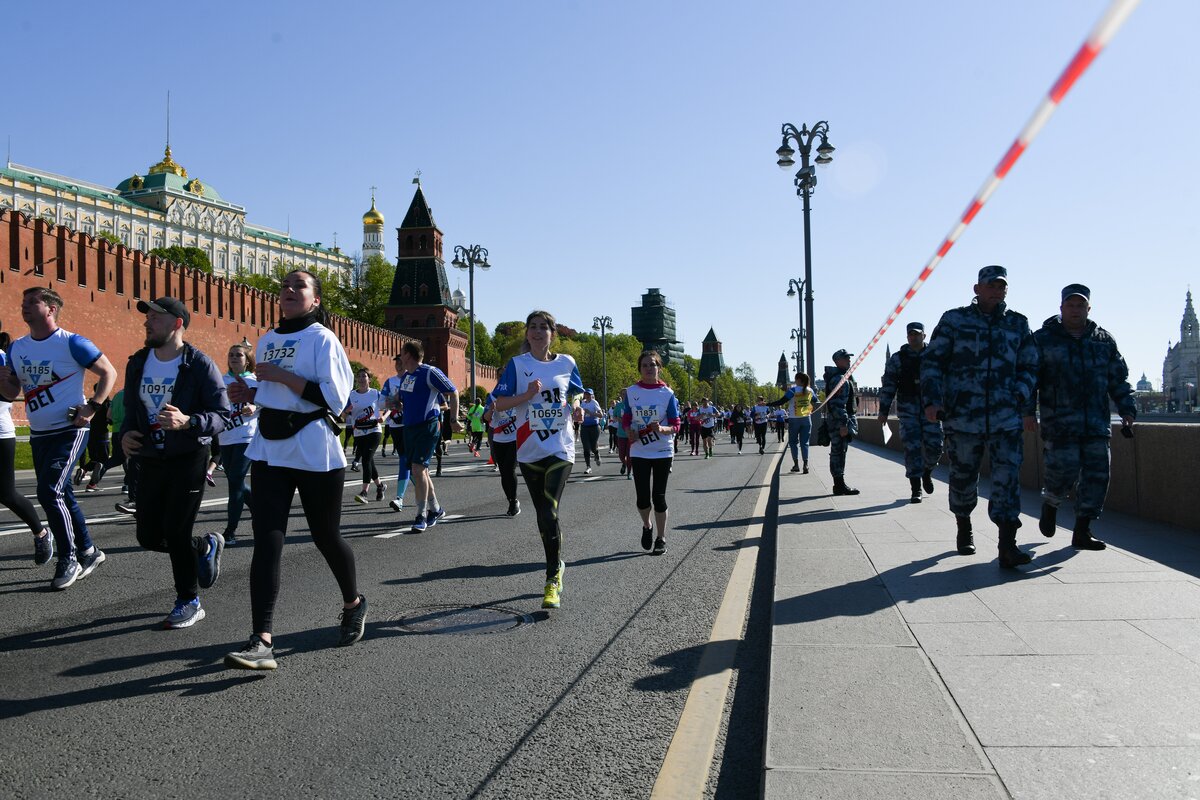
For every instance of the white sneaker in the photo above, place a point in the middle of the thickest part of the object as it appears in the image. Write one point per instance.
(397, 504)
(587, 471)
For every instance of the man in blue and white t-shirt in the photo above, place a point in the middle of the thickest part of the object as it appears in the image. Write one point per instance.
(419, 389)
(49, 366)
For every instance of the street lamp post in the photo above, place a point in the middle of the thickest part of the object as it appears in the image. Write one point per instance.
(603, 324)
(796, 289)
(469, 258)
(806, 183)
(798, 338)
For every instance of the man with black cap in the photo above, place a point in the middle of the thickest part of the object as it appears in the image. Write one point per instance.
(922, 439)
(1079, 370)
(175, 403)
(840, 411)
(978, 373)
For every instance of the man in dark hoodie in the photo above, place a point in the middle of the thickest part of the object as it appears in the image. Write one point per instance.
(1079, 370)
(175, 403)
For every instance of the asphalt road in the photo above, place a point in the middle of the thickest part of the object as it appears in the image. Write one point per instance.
(96, 700)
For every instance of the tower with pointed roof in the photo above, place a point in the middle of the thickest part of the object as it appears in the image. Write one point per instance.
(420, 305)
(712, 360)
(1181, 368)
(654, 326)
(372, 231)
(782, 380)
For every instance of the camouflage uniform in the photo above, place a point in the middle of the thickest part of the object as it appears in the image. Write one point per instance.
(840, 409)
(1076, 379)
(922, 439)
(981, 369)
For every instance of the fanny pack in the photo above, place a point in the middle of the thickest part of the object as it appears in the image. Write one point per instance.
(276, 424)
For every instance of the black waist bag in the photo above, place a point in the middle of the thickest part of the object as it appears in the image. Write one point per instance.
(276, 424)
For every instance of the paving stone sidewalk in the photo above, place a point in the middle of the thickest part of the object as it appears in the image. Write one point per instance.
(901, 669)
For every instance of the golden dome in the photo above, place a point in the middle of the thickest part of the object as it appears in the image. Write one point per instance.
(168, 165)
(373, 217)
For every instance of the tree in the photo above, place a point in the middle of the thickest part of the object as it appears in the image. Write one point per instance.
(191, 257)
(485, 348)
(366, 291)
(745, 374)
(110, 237)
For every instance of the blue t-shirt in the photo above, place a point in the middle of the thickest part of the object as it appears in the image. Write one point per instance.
(419, 390)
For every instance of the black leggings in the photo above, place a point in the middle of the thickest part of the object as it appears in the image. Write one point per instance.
(643, 470)
(736, 433)
(9, 496)
(321, 498)
(505, 456)
(546, 480)
(364, 451)
(591, 443)
(760, 433)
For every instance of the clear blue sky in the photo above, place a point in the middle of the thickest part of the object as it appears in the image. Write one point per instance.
(601, 148)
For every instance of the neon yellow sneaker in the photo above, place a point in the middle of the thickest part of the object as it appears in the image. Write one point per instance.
(550, 596)
(558, 576)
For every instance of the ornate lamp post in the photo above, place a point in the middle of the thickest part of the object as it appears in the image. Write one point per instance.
(798, 338)
(806, 183)
(796, 289)
(469, 258)
(603, 324)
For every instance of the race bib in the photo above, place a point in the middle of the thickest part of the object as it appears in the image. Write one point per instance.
(408, 383)
(547, 417)
(644, 415)
(281, 354)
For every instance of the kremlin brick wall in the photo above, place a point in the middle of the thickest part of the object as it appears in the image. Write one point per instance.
(101, 283)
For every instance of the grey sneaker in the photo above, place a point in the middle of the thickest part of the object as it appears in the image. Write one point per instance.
(43, 548)
(88, 563)
(208, 566)
(397, 504)
(66, 573)
(354, 622)
(255, 655)
(126, 507)
(184, 615)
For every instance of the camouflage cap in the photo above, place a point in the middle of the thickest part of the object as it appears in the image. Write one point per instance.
(1077, 289)
(915, 327)
(993, 273)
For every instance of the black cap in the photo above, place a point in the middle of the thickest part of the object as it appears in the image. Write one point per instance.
(915, 326)
(841, 354)
(1079, 289)
(993, 273)
(166, 305)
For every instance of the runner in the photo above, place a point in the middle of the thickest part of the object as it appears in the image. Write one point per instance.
(612, 424)
(175, 403)
(304, 381)
(737, 426)
(13, 500)
(693, 424)
(653, 421)
(475, 417)
(762, 417)
(395, 423)
(49, 365)
(243, 423)
(419, 391)
(622, 438)
(365, 409)
(542, 389)
(708, 415)
(503, 426)
(593, 418)
(445, 432)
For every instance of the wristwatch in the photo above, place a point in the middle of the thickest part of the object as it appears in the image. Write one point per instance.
(194, 421)
(94, 406)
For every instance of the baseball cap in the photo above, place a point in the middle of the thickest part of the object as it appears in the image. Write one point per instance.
(1077, 288)
(588, 391)
(915, 326)
(841, 354)
(993, 273)
(166, 305)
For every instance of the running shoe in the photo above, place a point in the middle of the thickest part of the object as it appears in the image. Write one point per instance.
(66, 573)
(622, 469)
(558, 576)
(587, 471)
(43, 548)
(231, 539)
(208, 566)
(550, 596)
(124, 488)
(397, 504)
(475, 453)
(89, 561)
(419, 524)
(220, 467)
(629, 475)
(660, 547)
(255, 655)
(795, 468)
(91, 487)
(436, 516)
(78, 479)
(597, 459)
(127, 507)
(208, 478)
(361, 497)
(380, 487)
(354, 622)
(514, 508)
(354, 466)
(184, 615)
(647, 538)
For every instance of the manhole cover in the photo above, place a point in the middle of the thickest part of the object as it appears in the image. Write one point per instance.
(463, 621)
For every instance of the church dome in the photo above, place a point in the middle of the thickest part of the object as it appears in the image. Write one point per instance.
(373, 217)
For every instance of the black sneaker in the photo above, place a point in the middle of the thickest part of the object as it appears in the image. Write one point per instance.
(514, 508)
(354, 621)
(126, 507)
(208, 564)
(647, 538)
(660, 547)
(379, 488)
(255, 655)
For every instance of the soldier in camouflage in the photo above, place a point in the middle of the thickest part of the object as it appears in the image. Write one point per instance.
(977, 375)
(1079, 370)
(843, 425)
(922, 439)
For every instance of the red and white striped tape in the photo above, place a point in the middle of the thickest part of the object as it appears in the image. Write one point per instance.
(1114, 17)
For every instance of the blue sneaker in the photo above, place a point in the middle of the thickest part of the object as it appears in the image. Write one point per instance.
(208, 566)
(65, 574)
(43, 548)
(419, 525)
(184, 615)
(89, 561)
(436, 516)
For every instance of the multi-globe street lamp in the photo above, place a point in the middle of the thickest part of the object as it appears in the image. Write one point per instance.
(469, 258)
(806, 182)
(796, 289)
(603, 324)
(798, 338)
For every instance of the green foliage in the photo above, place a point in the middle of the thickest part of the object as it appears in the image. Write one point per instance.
(110, 237)
(372, 381)
(192, 257)
(365, 294)
(485, 347)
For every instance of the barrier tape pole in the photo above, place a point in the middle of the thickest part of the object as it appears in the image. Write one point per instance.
(1112, 20)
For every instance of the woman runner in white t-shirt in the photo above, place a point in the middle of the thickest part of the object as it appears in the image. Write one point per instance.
(364, 411)
(543, 390)
(652, 419)
(236, 438)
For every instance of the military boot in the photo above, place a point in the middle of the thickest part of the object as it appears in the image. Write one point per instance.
(1048, 520)
(966, 539)
(927, 481)
(916, 490)
(840, 487)
(1081, 537)
(1010, 555)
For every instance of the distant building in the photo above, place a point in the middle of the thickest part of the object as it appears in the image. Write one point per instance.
(1144, 385)
(712, 361)
(654, 326)
(372, 232)
(782, 379)
(1181, 367)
